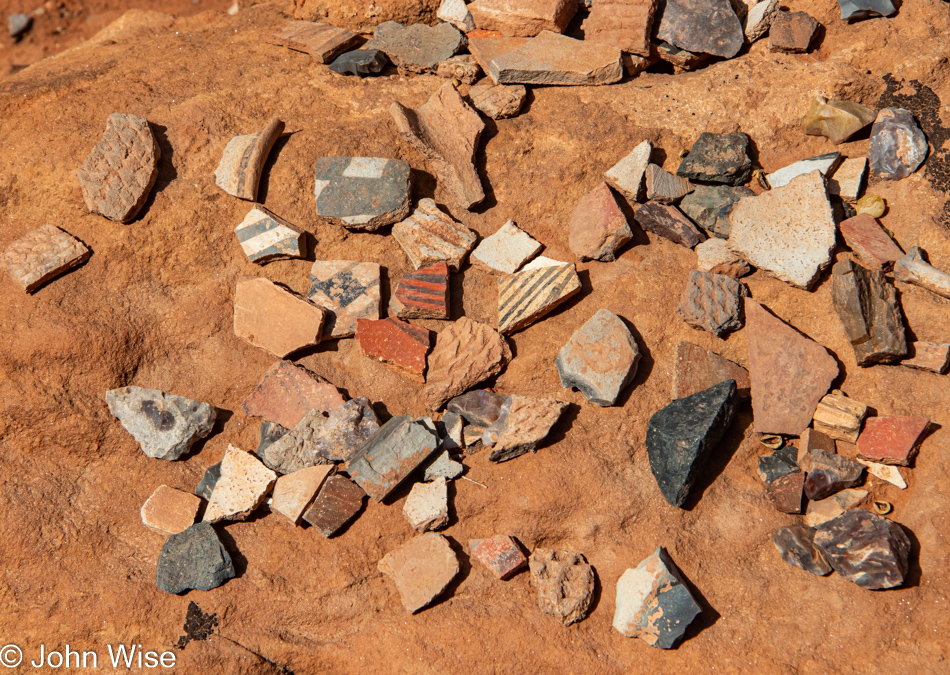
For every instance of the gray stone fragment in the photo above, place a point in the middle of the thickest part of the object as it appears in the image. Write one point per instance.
(718, 158)
(193, 559)
(866, 303)
(359, 62)
(444, 467)
(712, 302)
(600, 359)
(417, 47)
(796, 545)
(210, 478)
(701, 26)
(865, 548)
(387, 457)
(450, 431)
(898, 146)
(826, 164)
(270, 433)
(19, 24)
(828, 473)
(710, 205)
(853, 10)
(164, 425)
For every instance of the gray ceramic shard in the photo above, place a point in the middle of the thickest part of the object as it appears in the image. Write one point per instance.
(164, 425)
(600, 359)
(193, 559)
(417, 47)
(388, 457)
(710, 205)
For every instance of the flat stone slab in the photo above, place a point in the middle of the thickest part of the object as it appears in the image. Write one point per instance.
(287, 392)
(598, 228)
(524, 18)
(836, 120)
(681, 436)
(716, 256)
(487, 49)
(322, 41)
(194, 559)
(892, 439)
(456, 13)
(293, 492)
(41, 255)
(348, 290)
(417, 47)
(865, 548)
(853, 10)
(430, 236)
(400, 345)
(823, 510)
(169, 511)
(718, 158)
(870, 242)
(709, 27)
(164, 425)
(264, 237)
(337, 502)
(626, 176)
(387, 457)
(839, 417)
(789, 373)
(668, 222)
(898, 146)
(422, 569)
(867, 304)
(848, 180)
(274, 319)
(427, 506)
(465, 353)
(600, 359)
(914, 269)
(362, 193)
(552, 58)
(792, 32)
(500, 553)
(788, 231)
(664, 187)
(423, 294)
(445, 130)
(507, 249)
(931, 356)
(498, 101)
(653, 602)
(710, 206)
(829, 473)
(796, 544)
(121, 169)
(712, 302)
(565, 583)
(360, 62)
(526, 296)
(444, 466)
(239, 171)
(697, 369)
(243, 486)
(522, 425)
(624, 24)
(825, 164)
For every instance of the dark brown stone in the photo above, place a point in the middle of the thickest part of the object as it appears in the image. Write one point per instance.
(335, 505)
(865, 548)
(792, 32)
(828, 473)
(867, 305)
(669, 222)
(786, 492)
(712, 302)
(697, 369)
(701, 26)
(796, 545)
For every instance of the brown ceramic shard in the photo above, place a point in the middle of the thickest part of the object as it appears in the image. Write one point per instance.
(624, 24)
(465, 353)
(41, 255)
(322, 41)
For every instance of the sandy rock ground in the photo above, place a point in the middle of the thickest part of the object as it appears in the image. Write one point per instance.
(153, 305)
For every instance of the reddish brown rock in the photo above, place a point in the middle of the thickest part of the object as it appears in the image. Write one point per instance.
(41, 255)
(870, 313)
(400, 345)
(445, 130)
(422, 569)
(524, 18)
(423, 294)
(287, 392)
(551, 58)
(322, 41)
(786, 492)
(789, 372)
(274, 319)
(500, 553)
(430, 236)
(869, 241)
(335, 505)
(829, 473)
(712, 302)
(598, 227)
(891, 439)
(239, 171)
(792, 32)
(465, 353)
(697, 369)
(811, 440)
(169, 511)
(565, 583)
(669, 222)
(120, 171)
(929, 356)
(624, 24)
(498, 101)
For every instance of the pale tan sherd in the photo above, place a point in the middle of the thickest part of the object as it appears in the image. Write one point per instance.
(169, 511)
(293, 492)
(242, 487)
(274, 319)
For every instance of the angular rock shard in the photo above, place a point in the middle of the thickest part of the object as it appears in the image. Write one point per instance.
(287, 392)
(445, 130)
(565, 583)
(169, 511)
(710, 206)
(497, 101)
(792, 32)
(243, 486)
(789, 373)
(422, 569)
(653, 602)
(293, 492)
(712, 302)
(598, 227)
(840, 417)
(388, 456)
(274, 319)
(430, 236)
(524, 18)
(487, 49)
(506, 250)
(359, 62)
(853, 10)
(825, 164)
(335, 505)
(480, 407)
(193, 560)
(400, 345)
(867, 549)
(664, 187)
(716, 256)
(465, 353)
(930, 356)
(701, 27)
(681, 436)
(348, 291)
(239, 171)
(870, 313)
(264, 237)
(892, 439)
(456, 13)
(551, 58)
(624, 24)
(870, 242)
(444, 466)
(463, 68)
(811, 440)
(270, 433)
(164, 425)
(788, 231)
(526, 296)
(427, 506)
(669, 222)
(626, 176)
(891, 474)
(823, 510)
(718, 158)
(417, 47)
(914, 269)
(362, 193)
(523, 423)
(423, 294)
(18, 24)
(848, 180)
(600, 359)
(796, 545)
(322, 41)
(836, 120)
(41, 255)
(208, 480)
(499, 553)
(697, 369)
(898, 146)
(120, 171)
(829, 473)
(760, 18)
